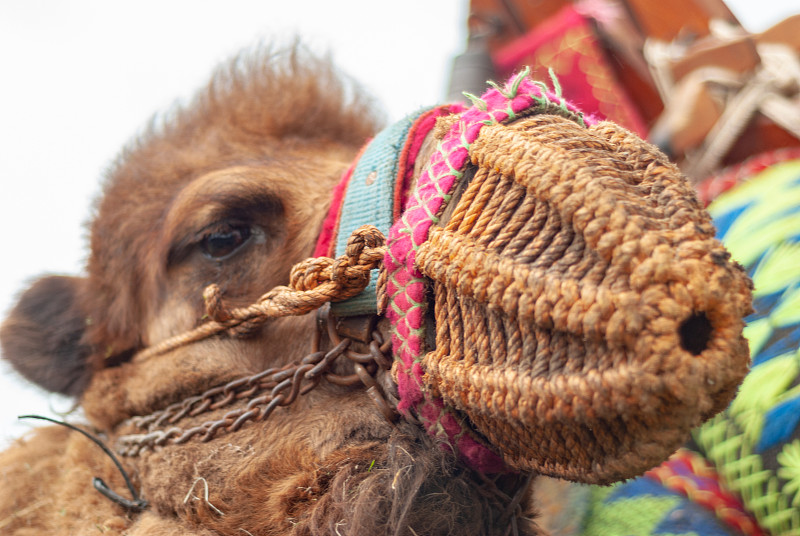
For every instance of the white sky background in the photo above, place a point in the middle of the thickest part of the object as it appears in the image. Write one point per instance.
(79, 79)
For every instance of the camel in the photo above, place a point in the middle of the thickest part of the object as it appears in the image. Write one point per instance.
(233, 190)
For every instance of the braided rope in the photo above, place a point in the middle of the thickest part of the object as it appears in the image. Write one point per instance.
(312, 283)
(692, 476)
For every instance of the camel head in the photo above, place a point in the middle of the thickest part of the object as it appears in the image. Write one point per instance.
(553, 292)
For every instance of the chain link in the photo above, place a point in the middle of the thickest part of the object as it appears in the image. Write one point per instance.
(266, 391)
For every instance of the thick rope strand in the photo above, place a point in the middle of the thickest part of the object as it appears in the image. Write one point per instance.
(312, 283)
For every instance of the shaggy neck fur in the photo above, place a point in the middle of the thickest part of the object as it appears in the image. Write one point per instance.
(339, 468)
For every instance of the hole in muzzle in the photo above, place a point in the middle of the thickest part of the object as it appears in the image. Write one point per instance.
(695, 333)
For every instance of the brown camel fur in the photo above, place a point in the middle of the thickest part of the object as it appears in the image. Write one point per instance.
(231, 190)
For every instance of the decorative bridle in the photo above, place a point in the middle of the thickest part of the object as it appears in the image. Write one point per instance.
(375, 190)
(344, 289)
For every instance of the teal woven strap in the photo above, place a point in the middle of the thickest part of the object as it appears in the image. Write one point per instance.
(369, 199)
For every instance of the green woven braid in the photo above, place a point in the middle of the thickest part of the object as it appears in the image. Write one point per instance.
(755, 444)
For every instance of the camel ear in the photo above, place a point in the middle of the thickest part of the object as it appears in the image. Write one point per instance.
(43, 336)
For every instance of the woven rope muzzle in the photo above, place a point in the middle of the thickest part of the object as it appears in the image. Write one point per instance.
(586, 318)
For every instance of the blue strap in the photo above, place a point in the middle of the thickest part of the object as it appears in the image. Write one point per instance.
(369, 199)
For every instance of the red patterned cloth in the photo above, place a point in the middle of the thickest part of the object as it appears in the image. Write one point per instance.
(567, 43)
(726, 179)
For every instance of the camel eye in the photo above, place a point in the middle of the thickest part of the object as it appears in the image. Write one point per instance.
(224, 241)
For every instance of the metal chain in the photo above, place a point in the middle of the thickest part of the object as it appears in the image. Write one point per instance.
(266, 391)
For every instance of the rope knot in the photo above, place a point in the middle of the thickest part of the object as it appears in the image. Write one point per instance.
(364, 251)
(215, 309)
(310, 273)
(365, 237)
